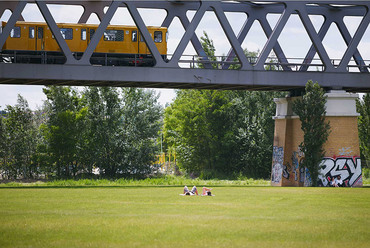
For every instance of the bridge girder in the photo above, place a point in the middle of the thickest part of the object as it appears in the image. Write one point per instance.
(251, 76)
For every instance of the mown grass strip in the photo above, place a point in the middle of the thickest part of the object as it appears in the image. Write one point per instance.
(161, 181)
(160, 217)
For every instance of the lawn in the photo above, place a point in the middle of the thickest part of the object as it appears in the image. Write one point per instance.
(159, 217)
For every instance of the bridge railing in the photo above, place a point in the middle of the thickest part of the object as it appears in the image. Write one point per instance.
(186, 61)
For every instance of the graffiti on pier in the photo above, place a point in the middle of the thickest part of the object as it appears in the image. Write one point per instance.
(286, 169)
(277, 164)
(348, 168)
(345, 151)
(307, 178)
(299, 173)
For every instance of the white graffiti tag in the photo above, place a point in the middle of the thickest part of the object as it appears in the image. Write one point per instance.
(348, 168)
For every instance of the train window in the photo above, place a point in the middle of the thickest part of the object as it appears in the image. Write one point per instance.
(113, 35)
(31, 33)
(83, 34)
(40, 33)
(92, 32)
(15, 32)
(158, 36)
(134, 36)
(67, 33)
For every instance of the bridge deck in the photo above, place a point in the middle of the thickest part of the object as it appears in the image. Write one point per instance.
(168, 74)
(178, 78)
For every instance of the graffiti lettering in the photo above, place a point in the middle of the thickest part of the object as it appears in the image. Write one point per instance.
(345, 151)
(286, 171)
(277, 164)
(348, 168)
(296, 160)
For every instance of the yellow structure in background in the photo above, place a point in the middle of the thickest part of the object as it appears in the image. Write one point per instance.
(166, 162)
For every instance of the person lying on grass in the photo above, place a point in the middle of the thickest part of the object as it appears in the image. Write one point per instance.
(206, 191)
(192, 192)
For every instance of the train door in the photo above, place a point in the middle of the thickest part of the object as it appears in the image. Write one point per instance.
(90, 34)
(31, 38)
(84, 40)
(40, 40)
(142, 47)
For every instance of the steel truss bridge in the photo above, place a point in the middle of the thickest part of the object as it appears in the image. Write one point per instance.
(252, 74)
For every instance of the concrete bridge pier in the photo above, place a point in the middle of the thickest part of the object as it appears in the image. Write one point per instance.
(342, 152)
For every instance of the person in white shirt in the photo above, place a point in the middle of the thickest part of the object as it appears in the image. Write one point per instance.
(338, 182)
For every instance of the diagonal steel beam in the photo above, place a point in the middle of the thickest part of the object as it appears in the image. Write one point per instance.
(189, 33)
(277, 48)
(99, 33)
(312, 51)
(241, 37)
(11, 22)
(273, 38)
(354, 42)
(145, 33)
(235, 44)
(195, 41)
(347, 38)
(316, 41)
(56, 32)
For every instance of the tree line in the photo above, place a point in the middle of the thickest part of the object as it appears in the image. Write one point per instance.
(119, 131)
(111, 130)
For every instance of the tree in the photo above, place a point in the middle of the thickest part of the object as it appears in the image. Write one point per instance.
(104, 137)
(222, 133)
(141, 123)
(20, 146)
(3, 147)
(209, 49)
(254, 131)
(363, 107)
(311, 111)
(64, 128)
(122, 128)
(198, 124)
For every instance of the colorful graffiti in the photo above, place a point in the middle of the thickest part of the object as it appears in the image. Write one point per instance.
(306, 178)
(345, 151)
(286, 169)
(298, 171)
(348, 168)
(277, 164)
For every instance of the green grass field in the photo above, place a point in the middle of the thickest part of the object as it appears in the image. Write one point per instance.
(160, 217)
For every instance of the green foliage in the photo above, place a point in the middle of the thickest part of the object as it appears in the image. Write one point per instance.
(311, 111)
(254, 131)
(110, 129)
(17, 145)
(196, 124)
(363, 107)
(209, 49)
(142, 120)
(63, 129)
(219, 134)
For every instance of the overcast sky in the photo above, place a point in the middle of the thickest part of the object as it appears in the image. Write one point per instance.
(293, 40)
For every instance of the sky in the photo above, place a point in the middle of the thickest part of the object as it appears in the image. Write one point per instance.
(293, 40)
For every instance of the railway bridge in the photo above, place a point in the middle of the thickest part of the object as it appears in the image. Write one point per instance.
(339, 76)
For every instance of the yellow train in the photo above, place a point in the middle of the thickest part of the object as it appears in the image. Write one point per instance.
(32, 42)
